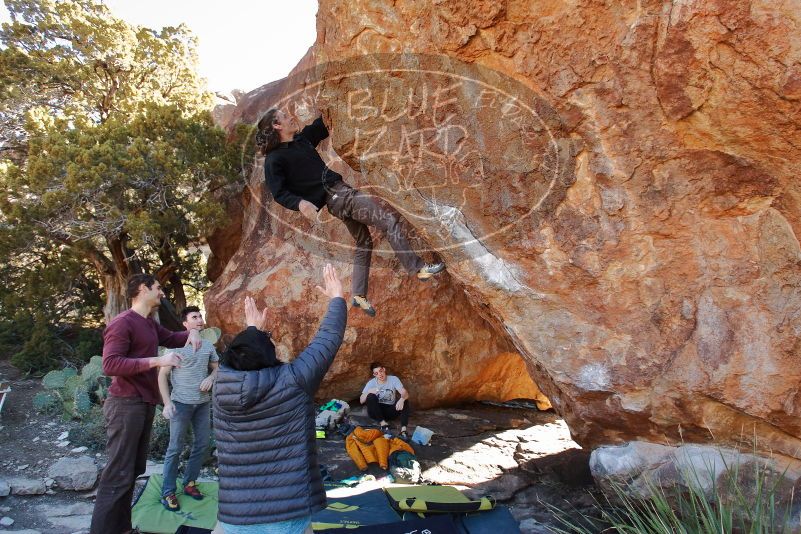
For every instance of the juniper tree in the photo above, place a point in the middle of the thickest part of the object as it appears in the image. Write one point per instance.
(108, 152)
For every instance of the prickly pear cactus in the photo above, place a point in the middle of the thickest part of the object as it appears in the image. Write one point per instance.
(74, 392)
(55, 379)
(70, 385)
(69, 410)
(44, 401)
(92, 371)
(82, 401)
(212, 334)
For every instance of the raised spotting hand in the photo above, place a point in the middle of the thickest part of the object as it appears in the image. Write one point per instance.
(333, 285)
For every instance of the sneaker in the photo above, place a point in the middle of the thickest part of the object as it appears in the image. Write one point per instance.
(360, 301)
(170, 502)
(192, 490)
(404, 435)
(430, 269)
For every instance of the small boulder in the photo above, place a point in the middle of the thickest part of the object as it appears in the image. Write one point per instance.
(26, 486)
(6, 521)
(74, 473)
(5, 489)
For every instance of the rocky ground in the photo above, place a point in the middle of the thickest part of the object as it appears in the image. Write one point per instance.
(522, 456)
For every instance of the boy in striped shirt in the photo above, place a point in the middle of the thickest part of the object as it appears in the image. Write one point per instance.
(189, 403)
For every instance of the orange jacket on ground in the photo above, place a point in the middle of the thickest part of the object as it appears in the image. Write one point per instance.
(368, 445)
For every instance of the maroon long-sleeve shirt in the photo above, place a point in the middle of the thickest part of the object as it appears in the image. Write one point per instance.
(128, 341)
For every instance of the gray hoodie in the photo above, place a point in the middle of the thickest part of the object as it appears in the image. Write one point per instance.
(264, 427)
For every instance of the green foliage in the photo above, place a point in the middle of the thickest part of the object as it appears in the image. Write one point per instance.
(83, 403)
(90, 431)
(75, 57)
(107, 157)
(71, 384)
(54, 379)
(76, 393)
(93, 370)
(46, 401)
(750, 502)
(41, 350)
(88, 342)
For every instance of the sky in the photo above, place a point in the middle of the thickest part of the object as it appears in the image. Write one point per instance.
(243, 44)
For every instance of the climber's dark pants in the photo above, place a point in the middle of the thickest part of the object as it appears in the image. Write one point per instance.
(358, 211)
(128, 424)
(387, 412)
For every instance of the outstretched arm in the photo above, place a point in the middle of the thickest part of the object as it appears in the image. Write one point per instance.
(315, 132)
(310, 367)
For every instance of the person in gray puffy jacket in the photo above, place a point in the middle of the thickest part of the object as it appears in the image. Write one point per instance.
(264, 412)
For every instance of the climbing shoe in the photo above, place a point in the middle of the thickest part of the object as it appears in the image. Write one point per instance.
(192, 490)
(430, 269)
(170, 502)
(360, 301)
(404, 435)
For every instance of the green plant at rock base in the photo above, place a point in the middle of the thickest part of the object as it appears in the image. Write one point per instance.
(744, 503)
(91, 431)
(74, 393)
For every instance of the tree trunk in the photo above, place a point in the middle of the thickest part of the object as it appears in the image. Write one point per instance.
(116, 297)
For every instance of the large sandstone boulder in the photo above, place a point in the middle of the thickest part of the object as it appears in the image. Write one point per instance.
(444, 350)
(613, 188)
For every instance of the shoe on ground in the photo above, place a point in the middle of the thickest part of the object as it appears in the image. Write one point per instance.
(404, 435)
(430, 269)
(360, 301)
(170, 502)
(192, 490)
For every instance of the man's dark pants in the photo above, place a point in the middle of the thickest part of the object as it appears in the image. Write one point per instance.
(358, 211)
(387, 412)
(128, 424)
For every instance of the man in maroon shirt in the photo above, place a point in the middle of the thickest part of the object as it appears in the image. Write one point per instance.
(130, 357)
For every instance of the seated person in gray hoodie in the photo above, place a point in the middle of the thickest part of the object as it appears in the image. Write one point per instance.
(264, 423)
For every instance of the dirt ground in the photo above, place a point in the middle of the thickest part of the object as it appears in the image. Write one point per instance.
(525, 458)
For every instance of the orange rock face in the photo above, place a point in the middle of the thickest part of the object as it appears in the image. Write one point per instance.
(613, 187)
(427, 333)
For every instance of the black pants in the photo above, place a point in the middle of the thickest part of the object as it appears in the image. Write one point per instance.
(387, 412)
(128, 423)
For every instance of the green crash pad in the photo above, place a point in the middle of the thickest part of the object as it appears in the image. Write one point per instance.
(435, 499)
(148, 514)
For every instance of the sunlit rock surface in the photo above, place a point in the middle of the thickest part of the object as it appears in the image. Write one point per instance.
(613, 187)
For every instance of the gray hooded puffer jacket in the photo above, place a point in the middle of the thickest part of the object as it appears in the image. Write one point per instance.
(264, 427)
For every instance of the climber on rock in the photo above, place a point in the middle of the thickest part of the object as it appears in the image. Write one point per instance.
(299, 180)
